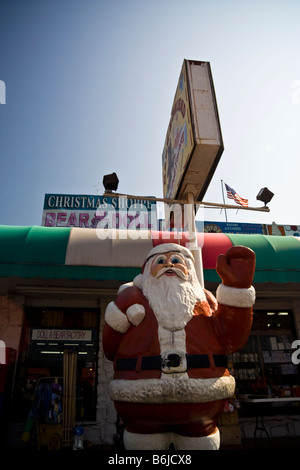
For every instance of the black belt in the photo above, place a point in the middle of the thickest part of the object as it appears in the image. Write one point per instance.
(194, 361)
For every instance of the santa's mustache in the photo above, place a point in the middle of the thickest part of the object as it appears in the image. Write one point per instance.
(177, 271)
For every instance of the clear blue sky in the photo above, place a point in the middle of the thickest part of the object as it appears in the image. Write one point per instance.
(90, 86)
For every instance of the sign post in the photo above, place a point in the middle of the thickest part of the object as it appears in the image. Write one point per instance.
(193, 145)
(195, 249)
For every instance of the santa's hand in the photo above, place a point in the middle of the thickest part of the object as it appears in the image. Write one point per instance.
(135, 314)
(120, 322)
(236, 268)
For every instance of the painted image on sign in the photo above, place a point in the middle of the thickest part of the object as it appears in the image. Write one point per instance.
(179, 141)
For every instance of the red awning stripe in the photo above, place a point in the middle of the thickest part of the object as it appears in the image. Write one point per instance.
(212, 244)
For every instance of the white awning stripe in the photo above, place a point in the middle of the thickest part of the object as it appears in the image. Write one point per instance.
(109, 247)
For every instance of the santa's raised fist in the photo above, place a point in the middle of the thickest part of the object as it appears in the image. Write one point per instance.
(236, 268)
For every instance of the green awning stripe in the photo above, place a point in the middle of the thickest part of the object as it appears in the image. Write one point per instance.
(122, 274)
(277, 258)
(29, 271)
(33, 244)
(40, 252)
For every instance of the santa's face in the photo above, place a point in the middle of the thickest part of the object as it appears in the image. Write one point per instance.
(170, 284)
(169, 264)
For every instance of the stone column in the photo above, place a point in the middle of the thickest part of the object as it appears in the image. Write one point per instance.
(11, 320)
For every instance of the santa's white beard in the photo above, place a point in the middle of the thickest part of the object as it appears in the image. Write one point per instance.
(171, 299)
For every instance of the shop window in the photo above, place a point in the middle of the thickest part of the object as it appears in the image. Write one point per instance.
(46, 334)
(264, 366)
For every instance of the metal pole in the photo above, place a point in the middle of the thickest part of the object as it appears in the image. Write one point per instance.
(209, 205)
(195, 249)
(224, 200)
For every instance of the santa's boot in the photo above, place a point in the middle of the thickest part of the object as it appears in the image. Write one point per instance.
(156, 441)
(211, 442)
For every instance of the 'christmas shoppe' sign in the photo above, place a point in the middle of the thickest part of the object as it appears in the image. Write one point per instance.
(70, 210)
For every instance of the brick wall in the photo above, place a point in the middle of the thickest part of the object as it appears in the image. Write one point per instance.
(102, 432)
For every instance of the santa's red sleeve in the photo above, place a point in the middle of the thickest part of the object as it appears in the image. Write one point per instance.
(233, 317)
(120, 315)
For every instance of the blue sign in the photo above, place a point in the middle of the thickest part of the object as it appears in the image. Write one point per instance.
(230, 227)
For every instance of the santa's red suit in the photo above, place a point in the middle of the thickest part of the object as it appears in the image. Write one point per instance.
(174, 381)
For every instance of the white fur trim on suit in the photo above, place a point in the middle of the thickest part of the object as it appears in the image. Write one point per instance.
(179, 390)
(235, 297)
(211, 442)
(135, 314)
(168, 247)
(162, 441)
(124, 286)
(138, 281)
(116, 319)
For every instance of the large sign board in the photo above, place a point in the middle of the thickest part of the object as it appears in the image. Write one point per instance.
(86, 211)
(193, 145)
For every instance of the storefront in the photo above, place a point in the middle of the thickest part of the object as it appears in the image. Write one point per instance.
(46, 334)
(55, 284)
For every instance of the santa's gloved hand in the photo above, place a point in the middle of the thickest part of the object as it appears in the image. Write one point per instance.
(236, 268)
(120, 321)
(135, 314)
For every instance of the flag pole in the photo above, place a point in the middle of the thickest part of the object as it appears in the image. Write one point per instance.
(224, 200)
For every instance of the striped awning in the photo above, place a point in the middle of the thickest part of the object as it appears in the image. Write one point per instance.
(79, 253)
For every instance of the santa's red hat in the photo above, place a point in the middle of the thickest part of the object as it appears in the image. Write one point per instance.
(168, 248)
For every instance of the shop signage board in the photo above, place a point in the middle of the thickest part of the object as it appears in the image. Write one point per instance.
(44, 334)
(193, 145)
(90, 211)
(230, 227)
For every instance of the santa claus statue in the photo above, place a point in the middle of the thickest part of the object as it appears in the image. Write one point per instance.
(168, 338)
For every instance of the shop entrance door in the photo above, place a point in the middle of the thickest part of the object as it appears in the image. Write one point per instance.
(46, 335)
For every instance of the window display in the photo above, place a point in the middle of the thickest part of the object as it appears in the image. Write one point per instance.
(264, 366)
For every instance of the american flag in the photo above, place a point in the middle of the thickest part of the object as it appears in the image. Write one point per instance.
(231, 194)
